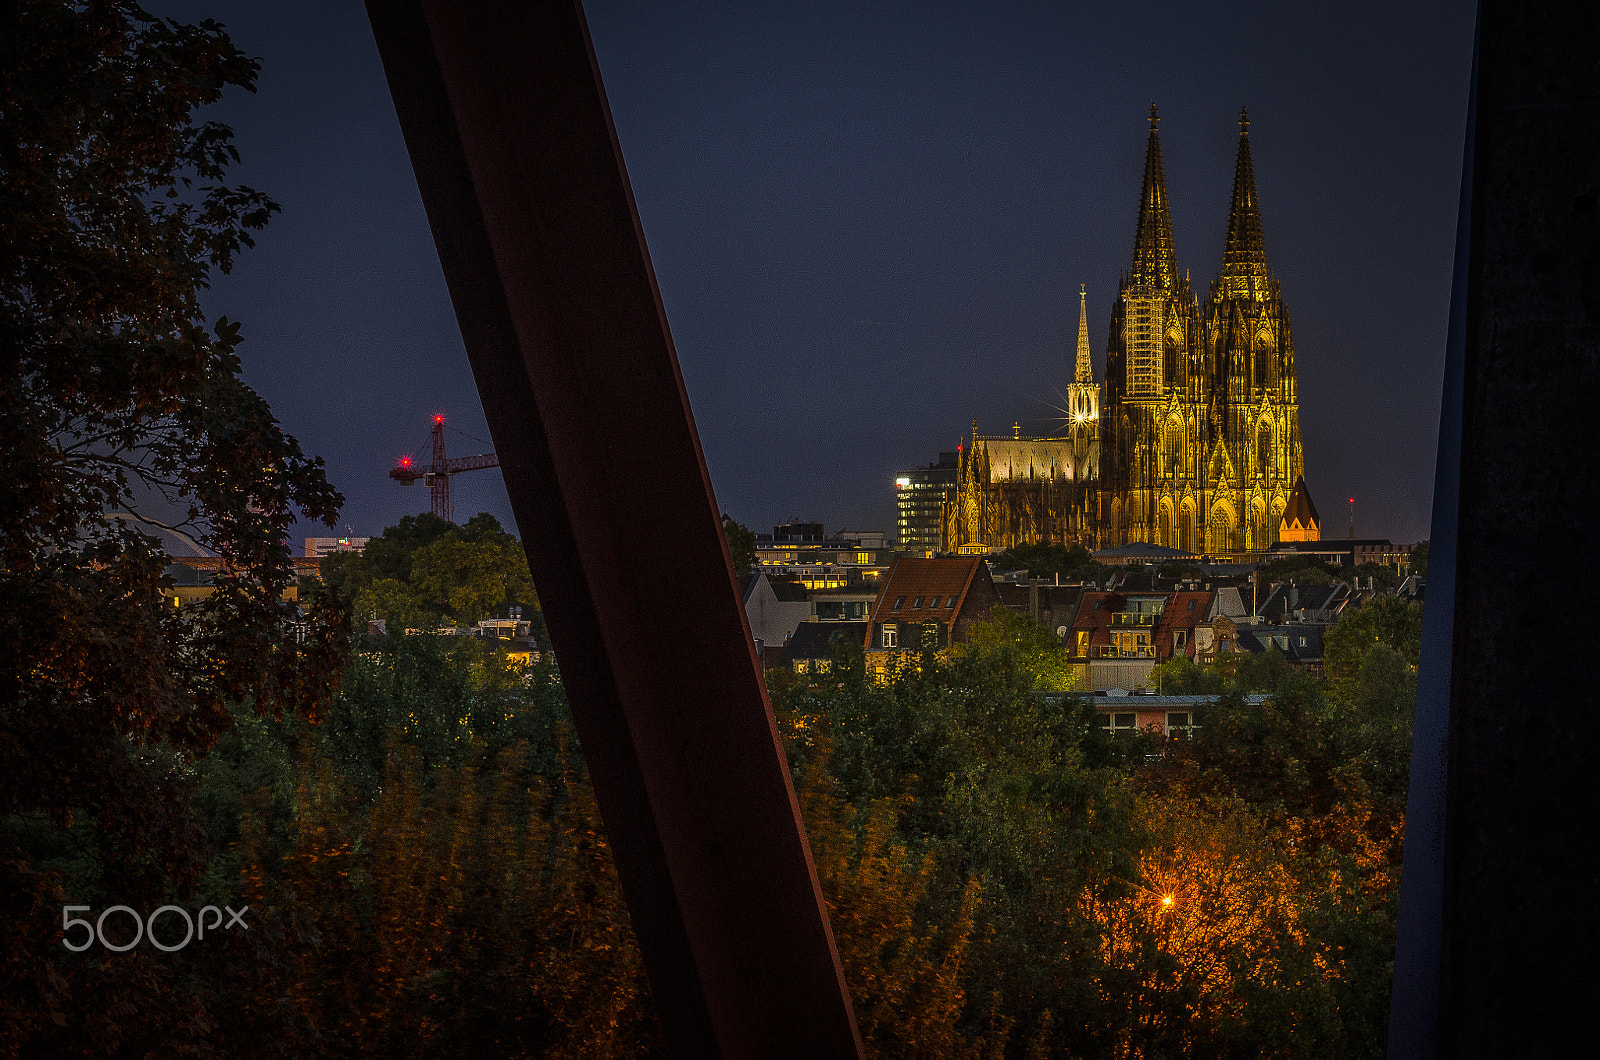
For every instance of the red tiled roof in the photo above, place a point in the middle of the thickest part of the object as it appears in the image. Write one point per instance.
(1098, 620)
(940, 578)
(1176, 614)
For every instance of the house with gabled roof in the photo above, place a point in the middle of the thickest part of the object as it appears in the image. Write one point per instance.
(814, 645)
(1319, 604)
(1175, 626)
(1300, 644)
(1052, 606)
(931, 602)
(773, 607)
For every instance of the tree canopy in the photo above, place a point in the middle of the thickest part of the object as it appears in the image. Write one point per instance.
(424, 571)
(122, 413)
(741, 543)
(1071, 563)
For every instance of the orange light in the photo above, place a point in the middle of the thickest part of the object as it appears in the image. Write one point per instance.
(1166, 899)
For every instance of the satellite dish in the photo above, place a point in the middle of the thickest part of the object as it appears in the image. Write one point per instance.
(1061, 631)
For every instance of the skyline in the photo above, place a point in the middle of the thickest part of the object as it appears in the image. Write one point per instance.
(869, 228)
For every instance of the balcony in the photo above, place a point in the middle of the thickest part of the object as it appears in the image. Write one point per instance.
(1133, 618)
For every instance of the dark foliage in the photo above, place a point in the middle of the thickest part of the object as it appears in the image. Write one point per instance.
(122, 412)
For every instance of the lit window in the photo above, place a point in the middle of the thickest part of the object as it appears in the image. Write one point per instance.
(891, 636)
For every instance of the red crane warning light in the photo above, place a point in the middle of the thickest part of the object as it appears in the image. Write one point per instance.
(436, 475)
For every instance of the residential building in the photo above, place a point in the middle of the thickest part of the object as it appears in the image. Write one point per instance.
(1216, 640)
(850, 604)
(1300, 643)
(1052, 606)
(1159, 714)
(926, 603)
(1316, 604)
(814, 645)
(1181, 614)
(773, 607)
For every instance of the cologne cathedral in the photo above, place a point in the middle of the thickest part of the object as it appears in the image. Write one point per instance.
(1196, 445)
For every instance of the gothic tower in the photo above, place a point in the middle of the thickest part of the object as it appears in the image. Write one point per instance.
(1151, 422)
(1083, 403)
(1196, 445)
(1253, 458)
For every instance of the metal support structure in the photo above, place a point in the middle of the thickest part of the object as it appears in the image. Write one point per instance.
(511, 139)
(1498, 923)
(436, 474)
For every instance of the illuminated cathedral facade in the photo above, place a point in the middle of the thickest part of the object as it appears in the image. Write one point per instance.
(1194, 442)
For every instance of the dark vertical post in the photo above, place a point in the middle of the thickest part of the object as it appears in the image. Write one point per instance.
(1498, 916)
(512, 143)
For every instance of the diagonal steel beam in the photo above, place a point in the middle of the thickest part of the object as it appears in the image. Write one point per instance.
(1497, 932)
(512, 143)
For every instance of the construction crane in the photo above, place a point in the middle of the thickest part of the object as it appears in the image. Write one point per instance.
(436, 475)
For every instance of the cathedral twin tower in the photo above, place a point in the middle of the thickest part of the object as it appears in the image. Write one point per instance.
(1196, 445)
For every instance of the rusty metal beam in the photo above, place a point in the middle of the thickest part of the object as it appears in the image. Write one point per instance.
(1497, 932)
(511, 139)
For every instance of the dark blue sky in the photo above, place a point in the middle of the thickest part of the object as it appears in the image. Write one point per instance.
(869, 222)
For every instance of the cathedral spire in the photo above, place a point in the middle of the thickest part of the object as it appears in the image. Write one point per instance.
(1085, 373)
(1244, 257)
(1154, 263)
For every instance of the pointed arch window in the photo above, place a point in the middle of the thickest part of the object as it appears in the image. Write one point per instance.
(1172, 448)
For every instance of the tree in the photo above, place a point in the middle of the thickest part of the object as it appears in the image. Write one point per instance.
(1038, 651)
(469, 580)
(1386, 620)
(424, 570)
(1070, 563)
(741, 544)
(117, 398)
(1419, 559)
(1383, 576)
(1303, 570)
(385, 556)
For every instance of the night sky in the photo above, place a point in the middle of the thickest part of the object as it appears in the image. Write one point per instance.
(869, 222)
